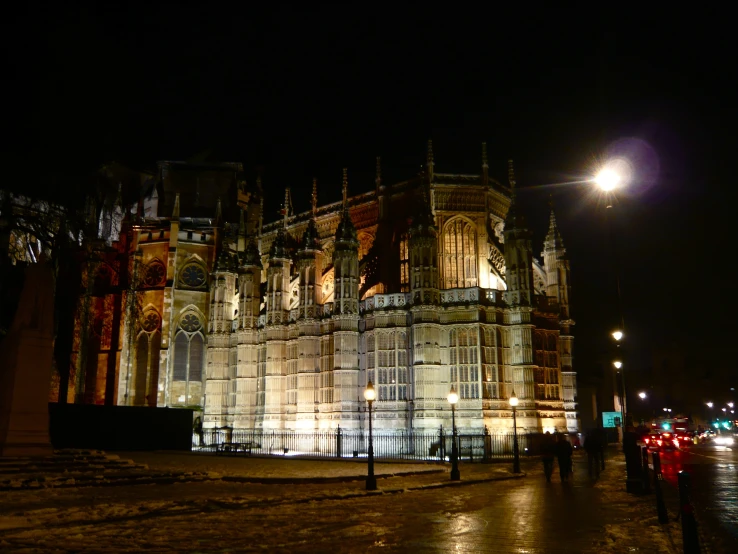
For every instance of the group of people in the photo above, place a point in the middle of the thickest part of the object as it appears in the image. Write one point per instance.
(559, 448)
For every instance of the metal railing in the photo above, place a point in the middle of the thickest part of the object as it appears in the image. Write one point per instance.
(341, 443)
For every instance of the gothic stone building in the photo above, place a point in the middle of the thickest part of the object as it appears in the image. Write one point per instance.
(417, 286)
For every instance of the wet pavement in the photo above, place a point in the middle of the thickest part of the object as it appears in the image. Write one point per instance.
(487, 512)
(714, 489)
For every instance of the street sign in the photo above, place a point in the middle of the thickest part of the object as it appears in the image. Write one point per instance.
(611, 419)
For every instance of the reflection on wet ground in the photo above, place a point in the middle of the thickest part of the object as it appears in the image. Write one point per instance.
(714, 488)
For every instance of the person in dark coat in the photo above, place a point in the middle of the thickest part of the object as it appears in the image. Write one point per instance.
(548, 452)
(564, 453)
(593, 449)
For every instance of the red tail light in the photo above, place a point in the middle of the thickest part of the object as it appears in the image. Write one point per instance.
(660, 442)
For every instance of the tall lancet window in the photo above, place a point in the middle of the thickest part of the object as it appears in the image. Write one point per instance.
(404, 269)
(146, 376)
(189, 350)
(460, 254)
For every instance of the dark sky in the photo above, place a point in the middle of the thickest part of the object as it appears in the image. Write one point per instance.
(304, 92)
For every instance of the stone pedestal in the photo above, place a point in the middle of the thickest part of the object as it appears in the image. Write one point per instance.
(25, 370)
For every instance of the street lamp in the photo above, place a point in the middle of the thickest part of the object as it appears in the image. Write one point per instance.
(370, 394)
(516, 450)
(730, 404)
(453, 398)
(617, 335)
(642, 395)
(710, 404)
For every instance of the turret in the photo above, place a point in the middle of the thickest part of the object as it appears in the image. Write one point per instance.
(222, 293)
(518, 252)
(278, 273)
(556, 265)
(423, 250)
(310, 264)
(249, 286)
(346, 261)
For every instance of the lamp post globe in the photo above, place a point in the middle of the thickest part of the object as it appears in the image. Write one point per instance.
(642, 395)
(370, 395)
(516, 450)
(617, 335)
(453, 398)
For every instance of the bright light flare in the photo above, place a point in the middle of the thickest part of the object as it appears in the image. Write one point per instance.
(607, 180)
(642, 395)
(617, 364)
(617, 335)
(614, 174)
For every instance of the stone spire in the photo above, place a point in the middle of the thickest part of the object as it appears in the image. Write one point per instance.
(346, 236)
(553, 238)
(311, 238)
(514, 219)
(315, 197)
(175, 210)
(378, 175)
(430, 162)
(218, 212)
(485, 165)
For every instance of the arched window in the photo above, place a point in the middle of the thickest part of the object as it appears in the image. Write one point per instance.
(146, 374)
(189, 350)
(460, 254)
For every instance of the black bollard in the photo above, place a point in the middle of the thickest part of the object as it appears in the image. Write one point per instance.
(689, 523)
(657, 478)
(646, 480)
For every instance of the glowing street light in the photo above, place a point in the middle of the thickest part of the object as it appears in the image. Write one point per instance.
(370, 395)
(617, 335)
(618, 364)
(516, 450)
(710, 404)
(730, 404)
(642, 395)
(453, 398)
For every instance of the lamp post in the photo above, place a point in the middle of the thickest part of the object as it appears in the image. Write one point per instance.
(453, 398)
(623, 400)
(709, 414)
(371, 481)
(516, 450)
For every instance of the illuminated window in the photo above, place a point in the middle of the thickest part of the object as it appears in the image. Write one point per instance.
(404, 267)
(464, 362)
(460, 254)
(189, 350)
(392, 371)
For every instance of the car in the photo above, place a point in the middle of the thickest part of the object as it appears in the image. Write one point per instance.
(685, 438)
(661, 441)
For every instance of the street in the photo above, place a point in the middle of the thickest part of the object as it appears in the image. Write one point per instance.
(714, 474)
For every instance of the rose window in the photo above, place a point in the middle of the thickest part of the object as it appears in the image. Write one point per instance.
(190, 323)
(193, 276)
(151, 321)
(155, 274)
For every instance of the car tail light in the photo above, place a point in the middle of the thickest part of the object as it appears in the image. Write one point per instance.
(646, 440)
(676, 443)
(660, 442)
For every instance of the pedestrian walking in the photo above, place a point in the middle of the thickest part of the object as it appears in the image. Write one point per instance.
(548, 452)
(602, 436)
(564, 453)
(593, 449)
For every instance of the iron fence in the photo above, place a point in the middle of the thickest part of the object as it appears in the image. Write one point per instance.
(340, 443)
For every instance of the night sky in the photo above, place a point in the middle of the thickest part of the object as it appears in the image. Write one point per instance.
(297, 93)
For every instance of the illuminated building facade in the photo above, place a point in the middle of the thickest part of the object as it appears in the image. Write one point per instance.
(417, 286)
